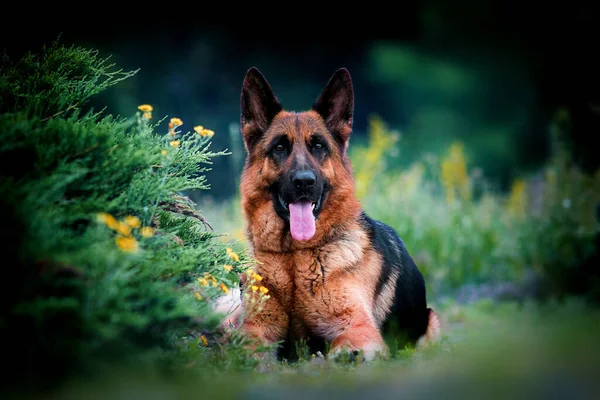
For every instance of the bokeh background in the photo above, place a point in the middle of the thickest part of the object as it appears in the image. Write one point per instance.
(462, 112)
(490, 74)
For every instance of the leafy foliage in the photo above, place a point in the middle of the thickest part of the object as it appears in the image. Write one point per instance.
(103, 250)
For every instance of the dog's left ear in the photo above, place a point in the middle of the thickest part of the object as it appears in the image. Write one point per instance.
(336, 106)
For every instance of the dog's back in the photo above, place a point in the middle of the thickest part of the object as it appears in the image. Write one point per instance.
(408, 318)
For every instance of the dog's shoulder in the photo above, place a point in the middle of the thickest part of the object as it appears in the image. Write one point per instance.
(384, 239)
(395, 256)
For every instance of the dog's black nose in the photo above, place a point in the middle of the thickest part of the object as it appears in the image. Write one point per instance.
(304, 179)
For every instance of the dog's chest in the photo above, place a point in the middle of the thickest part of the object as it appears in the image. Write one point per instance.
(291, 275)
(305, 280)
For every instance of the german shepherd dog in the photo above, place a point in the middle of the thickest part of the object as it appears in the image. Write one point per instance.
(335, 276)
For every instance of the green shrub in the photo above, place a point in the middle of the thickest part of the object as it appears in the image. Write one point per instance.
(102, 252)
(561, 236)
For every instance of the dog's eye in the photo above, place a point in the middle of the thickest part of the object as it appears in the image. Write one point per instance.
(280, 147)
(317, 146)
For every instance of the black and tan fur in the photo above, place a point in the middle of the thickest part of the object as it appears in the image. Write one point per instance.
(352, 279)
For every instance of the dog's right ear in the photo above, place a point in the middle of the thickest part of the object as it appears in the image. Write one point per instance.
(259, 106)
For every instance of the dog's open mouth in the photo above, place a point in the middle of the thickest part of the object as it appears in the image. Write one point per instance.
(302, 215)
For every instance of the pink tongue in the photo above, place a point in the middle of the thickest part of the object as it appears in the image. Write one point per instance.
(302, 221)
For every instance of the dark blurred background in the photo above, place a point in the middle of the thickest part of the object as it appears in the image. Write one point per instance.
(491, 74)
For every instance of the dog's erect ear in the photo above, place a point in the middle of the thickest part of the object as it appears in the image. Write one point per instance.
(336, 105)
(259, 106)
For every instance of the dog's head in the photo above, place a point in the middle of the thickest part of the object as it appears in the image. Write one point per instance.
(296, 155)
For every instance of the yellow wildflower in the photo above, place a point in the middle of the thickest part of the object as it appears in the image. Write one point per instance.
(213, 280)
(123, 229)
(147, 231)
(127, 243)
(204, 132)
(108, 220)
(254, 288)
(517, 200)
(145, 108)
(227, 267)
(175, 143)
(264, 289)
(454, 174)
(176, 122)
(147, 115)
(133, 221)
(163, 152)
(198, 129)
(224, 288)
(203, 281)
(232, 254)
(198, 296)
(257, 277)
(204, 341)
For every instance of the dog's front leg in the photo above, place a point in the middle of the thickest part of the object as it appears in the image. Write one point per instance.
(352, 328)
(362, 335)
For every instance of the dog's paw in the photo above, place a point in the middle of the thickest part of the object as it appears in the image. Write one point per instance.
(366, 353)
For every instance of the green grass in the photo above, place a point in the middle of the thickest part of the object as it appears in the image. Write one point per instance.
(488, 350)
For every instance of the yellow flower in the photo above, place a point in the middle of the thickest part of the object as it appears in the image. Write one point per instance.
(176, 121)
(227, 267)
(127, 243)
(146, 231)
(145, 108)
(454, 175)
(199, 129)
(175, 143)
(264, 289)
(203, 281)
(517, 200)
(108, 220)
(213, 280)
(163, 152)
(197, 295)
(380, 142)
(133, 221)
(204, 341)
(257, 277)
(232, 254)
(224, 288)
(254, 288)
(123, 229)
(204, 132)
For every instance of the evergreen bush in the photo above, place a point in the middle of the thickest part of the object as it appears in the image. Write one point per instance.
(105, 258)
